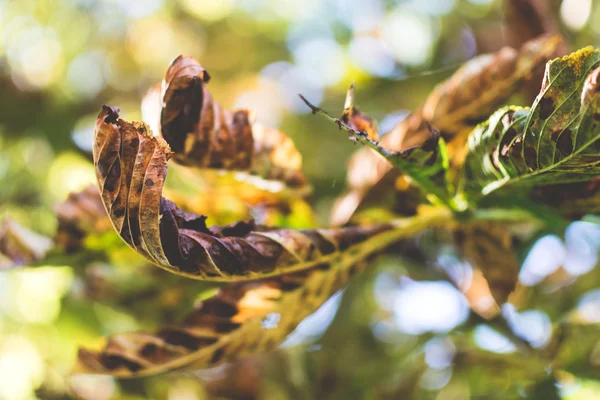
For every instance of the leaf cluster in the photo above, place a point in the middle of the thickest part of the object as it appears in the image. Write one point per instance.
(487, 182)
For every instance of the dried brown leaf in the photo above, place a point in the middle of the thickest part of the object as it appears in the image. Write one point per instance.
(80, 214)
(131, 166)
(526, 20)
(203, 134)
(20, 246)
(356, 120)
(488, 247)
(485, 82)
(241, 318)
(479, 296)
(240, 380)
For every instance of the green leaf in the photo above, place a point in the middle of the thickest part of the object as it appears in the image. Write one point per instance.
(554, 141)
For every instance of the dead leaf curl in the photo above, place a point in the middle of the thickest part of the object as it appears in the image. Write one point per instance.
(131, 166)
(203, 134)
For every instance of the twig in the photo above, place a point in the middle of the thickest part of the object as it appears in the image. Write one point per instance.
(360, 136)
(396, 158)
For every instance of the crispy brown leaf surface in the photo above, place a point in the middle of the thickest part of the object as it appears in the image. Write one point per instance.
(82, 213)
(485, 82)
(488, 247)
(526, 20)
(20, 246)
(131, 166)
(203, 134)
(276, 157)
(454, 107)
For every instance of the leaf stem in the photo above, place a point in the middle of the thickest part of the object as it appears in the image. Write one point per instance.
(360, 137)
(394, 157)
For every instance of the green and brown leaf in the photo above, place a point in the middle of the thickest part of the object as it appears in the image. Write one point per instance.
(454, 107)
(477, 88)
(553, 142)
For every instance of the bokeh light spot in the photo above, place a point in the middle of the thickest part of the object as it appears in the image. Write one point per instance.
(588, 307)
(69, 172)
(372, 55)
(21, 368)
(85, 74)
(33, 295)
(315, 324)
(533, 326)
(545, 257)
(321, 61)
(421, 307)
(97, 387)
(575, 13)
(491, 340)
(583, 246)
(409, 37)
(439, 352)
